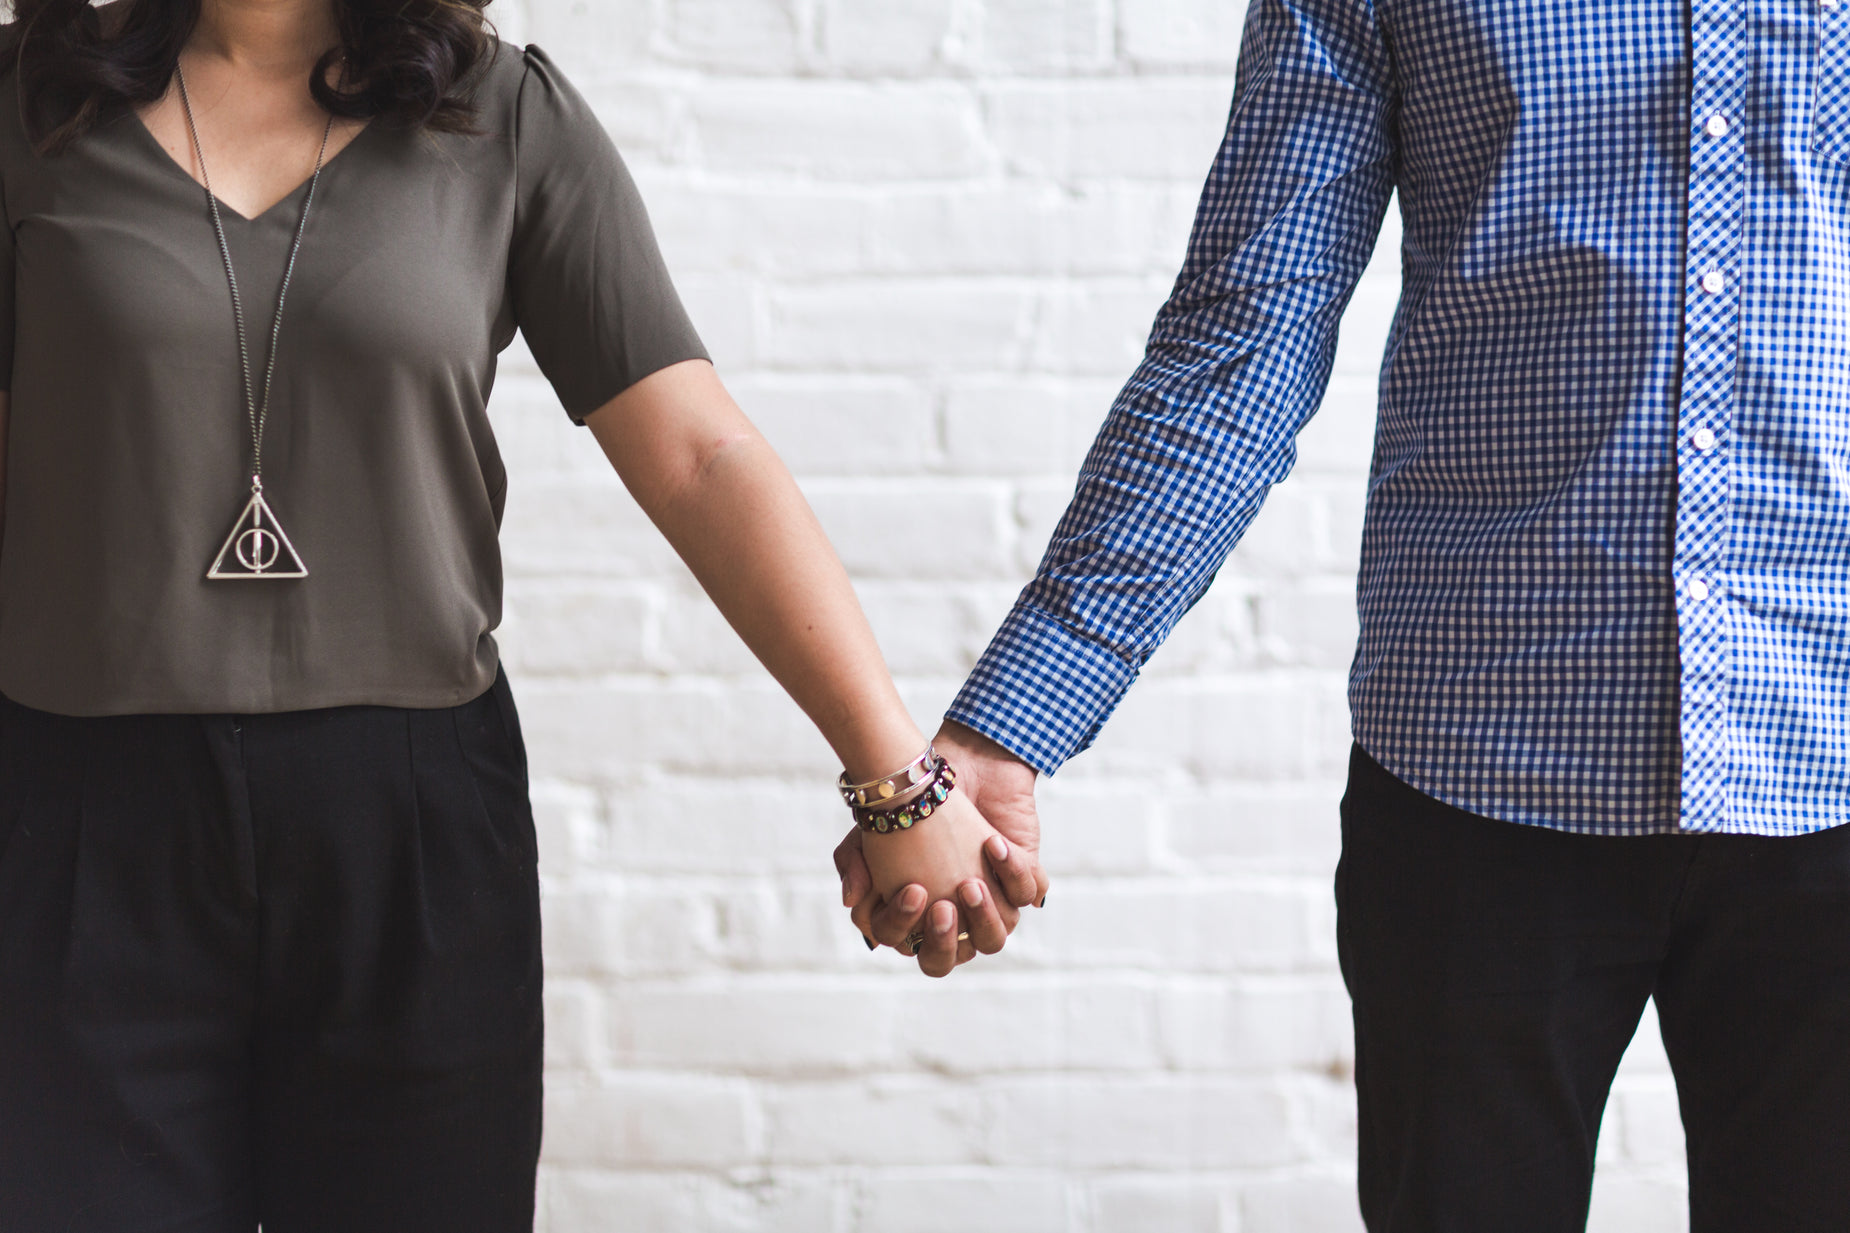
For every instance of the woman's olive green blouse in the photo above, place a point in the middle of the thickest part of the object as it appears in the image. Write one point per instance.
(128, 453)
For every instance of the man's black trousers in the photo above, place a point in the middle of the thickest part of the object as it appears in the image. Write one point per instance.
(1498, 972)
(280, 968)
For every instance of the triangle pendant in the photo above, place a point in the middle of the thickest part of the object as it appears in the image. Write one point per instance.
(257, 547)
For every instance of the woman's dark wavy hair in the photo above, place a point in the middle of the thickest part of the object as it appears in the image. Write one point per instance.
(410, 62)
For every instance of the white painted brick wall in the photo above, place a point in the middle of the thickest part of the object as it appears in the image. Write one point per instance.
(936, 230)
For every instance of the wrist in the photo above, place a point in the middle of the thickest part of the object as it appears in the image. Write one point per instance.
(879, 747)
(970, 743)
(903, 800)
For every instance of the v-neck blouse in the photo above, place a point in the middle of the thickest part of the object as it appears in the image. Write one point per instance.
(128, 451)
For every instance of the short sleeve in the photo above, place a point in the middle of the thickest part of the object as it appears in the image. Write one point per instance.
(590, 291)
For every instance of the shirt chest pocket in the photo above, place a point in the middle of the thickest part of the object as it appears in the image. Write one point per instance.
(1830, 112)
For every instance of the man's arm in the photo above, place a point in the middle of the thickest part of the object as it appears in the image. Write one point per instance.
(1237, 362)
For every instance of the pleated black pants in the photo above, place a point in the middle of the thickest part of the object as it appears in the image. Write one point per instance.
(1498, 972)
(274, 968)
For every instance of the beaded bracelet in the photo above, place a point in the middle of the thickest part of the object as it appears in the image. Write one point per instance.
(937, 790)
(911, 775)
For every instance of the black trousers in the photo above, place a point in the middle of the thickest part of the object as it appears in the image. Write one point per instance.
(276, 968)
(1498, 972)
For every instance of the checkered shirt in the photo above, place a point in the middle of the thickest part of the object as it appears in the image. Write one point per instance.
(1605, 578)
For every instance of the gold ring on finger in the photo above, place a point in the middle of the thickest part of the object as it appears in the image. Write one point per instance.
(915, 941)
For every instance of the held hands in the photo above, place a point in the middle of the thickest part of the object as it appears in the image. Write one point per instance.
(968, 869)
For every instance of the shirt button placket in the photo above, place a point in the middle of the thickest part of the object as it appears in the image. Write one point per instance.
(1718, 117)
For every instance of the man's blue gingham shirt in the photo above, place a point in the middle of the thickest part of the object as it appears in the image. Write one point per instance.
(1605, 579)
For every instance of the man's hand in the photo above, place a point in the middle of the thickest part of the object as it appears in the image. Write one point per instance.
(1001, 787)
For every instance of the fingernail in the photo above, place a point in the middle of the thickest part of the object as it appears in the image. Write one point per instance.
(871, 944)
(973, 895)
(913, 898)
(999, 847)
(844, 893)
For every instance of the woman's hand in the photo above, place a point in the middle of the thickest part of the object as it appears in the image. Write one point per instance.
(939, 884)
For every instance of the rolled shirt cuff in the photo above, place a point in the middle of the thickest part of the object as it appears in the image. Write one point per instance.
(1041, 691)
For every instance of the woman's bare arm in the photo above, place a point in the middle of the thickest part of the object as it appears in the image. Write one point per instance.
(730, 508)
(712, 484)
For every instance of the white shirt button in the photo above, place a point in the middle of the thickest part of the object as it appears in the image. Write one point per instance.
(1714, 281)
(1703, 439)
(1717, 126)
(1827, 5)
(1698, 589)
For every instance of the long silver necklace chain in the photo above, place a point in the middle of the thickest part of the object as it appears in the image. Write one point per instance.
(257, 546)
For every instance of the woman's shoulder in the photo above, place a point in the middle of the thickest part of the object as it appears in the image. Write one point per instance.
(515, 71)
(523, 92)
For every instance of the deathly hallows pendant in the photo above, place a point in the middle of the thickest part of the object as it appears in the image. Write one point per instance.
(257, 547)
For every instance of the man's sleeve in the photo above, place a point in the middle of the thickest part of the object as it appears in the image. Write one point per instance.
(1237, 362)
